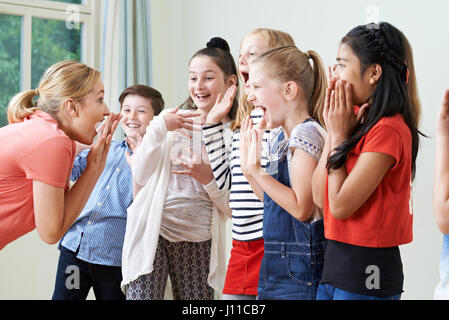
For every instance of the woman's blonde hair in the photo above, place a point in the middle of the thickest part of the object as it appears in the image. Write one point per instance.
(65, 79)
(274, 38)
(291, 64)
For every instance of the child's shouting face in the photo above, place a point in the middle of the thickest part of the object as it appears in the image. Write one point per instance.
(137, 112)
(265, 92)
(252, 46)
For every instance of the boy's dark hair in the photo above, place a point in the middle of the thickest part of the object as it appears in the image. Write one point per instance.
(157, 102)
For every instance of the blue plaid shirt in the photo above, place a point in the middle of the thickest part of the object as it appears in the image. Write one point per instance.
(99, 231)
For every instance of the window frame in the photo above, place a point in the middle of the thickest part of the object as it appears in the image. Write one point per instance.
(89, 16)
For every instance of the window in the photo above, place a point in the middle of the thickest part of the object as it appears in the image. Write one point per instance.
(9, 61)
(69, 1)
(51, 42)
(36, 34)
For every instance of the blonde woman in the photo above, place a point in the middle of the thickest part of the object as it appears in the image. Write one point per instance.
(41, 146)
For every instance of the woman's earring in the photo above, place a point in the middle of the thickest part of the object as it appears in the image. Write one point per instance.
(371, 81)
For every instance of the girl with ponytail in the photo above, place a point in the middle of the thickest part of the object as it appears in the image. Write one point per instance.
(39, 149)
(222, 144)
(290, 86)
(365, 174)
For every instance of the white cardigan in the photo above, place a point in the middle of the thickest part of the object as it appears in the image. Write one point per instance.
(151, 168)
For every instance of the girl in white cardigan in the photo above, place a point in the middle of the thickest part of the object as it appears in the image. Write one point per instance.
(175, 225)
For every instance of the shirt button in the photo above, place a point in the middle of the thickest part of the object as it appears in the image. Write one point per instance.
(89, 222)
(99, 204)
(108, 187)
(118, 169)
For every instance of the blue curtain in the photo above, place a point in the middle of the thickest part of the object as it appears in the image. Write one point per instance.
(126, 48)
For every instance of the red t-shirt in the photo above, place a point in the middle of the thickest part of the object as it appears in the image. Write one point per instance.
(35, 149)
(385, 219)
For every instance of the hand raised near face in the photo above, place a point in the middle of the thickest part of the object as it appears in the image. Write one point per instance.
(98, 153)
(443, 116)
(177, 120)
(339, 110)
(222, 106)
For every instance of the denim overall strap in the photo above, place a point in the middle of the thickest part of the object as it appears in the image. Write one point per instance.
(294, 250)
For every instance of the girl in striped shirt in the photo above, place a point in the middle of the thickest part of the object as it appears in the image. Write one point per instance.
(222, 144)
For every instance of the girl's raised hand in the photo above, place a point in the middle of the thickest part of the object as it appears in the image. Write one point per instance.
(262, 125)
(331, 81)
(175, 120)
(222, 106)
(254, 139)
(326, 108)
(250, 148)
(243, 143)
(195, 166)
(443, 116)
(342, 120)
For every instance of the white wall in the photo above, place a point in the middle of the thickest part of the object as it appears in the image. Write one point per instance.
(180, 27)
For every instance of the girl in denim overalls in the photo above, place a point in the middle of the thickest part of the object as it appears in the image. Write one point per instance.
(284, 83)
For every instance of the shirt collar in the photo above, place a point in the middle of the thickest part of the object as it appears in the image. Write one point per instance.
(125, 145)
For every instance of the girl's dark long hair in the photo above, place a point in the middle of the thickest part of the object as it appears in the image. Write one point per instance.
(385, 45)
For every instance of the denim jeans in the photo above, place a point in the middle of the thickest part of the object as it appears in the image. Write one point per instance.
(328, 292)
(75, 277)
(442, 289)
(291, 271)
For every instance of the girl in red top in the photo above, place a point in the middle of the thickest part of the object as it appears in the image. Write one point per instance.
(40, 147)
(364, 176)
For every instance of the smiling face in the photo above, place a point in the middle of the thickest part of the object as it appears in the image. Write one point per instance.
(206, 81)
(137, 112)
(349, 69)
(92, 111)
(252, 46)
(266, 93)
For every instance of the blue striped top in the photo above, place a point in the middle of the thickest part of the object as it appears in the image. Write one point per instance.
(99, 231)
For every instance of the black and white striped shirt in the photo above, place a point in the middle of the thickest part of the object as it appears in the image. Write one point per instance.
(222, 147)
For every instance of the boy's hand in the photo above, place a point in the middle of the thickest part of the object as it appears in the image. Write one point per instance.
(133, 143)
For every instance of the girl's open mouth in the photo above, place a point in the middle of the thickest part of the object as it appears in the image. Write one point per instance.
(245, 76)
(202, 96)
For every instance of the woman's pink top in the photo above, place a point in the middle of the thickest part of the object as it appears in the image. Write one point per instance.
(35, 149)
